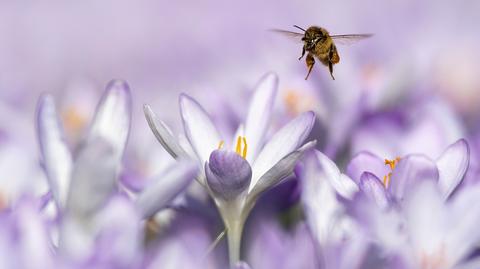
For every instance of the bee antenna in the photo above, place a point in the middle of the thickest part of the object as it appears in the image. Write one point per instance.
(296, 26)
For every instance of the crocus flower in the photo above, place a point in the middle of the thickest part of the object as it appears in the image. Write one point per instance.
(413, 211)
(235, 176)
(83, 185)
(397, 175)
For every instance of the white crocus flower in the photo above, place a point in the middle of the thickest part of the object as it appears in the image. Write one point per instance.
(235, 178)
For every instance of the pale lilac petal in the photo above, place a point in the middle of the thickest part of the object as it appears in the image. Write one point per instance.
(426, 218)
(323, 211)
(410, 171)
(228, 174)
(344, 185)
(280, 170)
(93, 177)
(113, 116)
(259, 114)
(452, 165)
(288, 139)
(165, 187)
(199, 128)
(163, 134)
(463, 236)
(374, 189)
(119, 239)
(56, 156)
(366, 162)
(242, 265)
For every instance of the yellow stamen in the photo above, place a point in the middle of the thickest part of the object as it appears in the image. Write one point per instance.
(220, 144)
(244, 153)
(241, 149)
(392, 163)
(238, 148)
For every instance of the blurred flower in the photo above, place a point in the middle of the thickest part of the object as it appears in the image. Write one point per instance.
(236, 177)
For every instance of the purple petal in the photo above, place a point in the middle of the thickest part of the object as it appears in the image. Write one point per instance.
(163, 134)
(113, 116)
(452, 165)
(93, 177)
(280, 170)
(165, 187)
(199, 128)
(374, 189)
(366, 162)
(228, 174)
(409, 172)
(56, 156)
(259, 113)
(285, 141)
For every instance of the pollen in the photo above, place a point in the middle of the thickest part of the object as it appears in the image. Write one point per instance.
(241, 147)
(392, 164)
(220, 144)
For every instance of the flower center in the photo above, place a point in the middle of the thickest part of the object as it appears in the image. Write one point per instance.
(392, 163)
(240, 148)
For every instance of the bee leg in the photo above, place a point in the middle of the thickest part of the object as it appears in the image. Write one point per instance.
(303, 53)
(330, 67)
(310, 62)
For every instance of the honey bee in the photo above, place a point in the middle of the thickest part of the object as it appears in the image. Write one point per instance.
(319, 43)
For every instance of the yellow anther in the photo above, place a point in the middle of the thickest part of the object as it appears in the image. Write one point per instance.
(238, 148)
(241, 149)
(244, 153)
(220, 144)
(392, 163)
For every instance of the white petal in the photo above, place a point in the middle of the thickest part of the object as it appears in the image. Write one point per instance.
(199, 128)
(93, 178)
(285, 141)
(113, 115)
(452, 165)
(259, 114)
(324, 213)
(344, 185)
(166, 187)
(280, 170)
(56, 156)
(163, 134)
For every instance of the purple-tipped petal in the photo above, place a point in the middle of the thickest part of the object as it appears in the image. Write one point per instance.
(199, 128)
(285, 141)
(163, 134)
(164, 188)
(113, 116)
(228, 174)
(366, 162)
(93, 178)
(452, 165)
(259, 114)
(374, 189)
(410, 171)
(56, 156)
(281, 169)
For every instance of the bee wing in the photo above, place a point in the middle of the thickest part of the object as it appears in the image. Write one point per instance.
(291, 34)
(349, 39)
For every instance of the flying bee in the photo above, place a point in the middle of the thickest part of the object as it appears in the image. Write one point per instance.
(319, 43)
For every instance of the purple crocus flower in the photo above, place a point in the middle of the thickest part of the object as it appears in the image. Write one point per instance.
(235, 176)
(413, 213)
